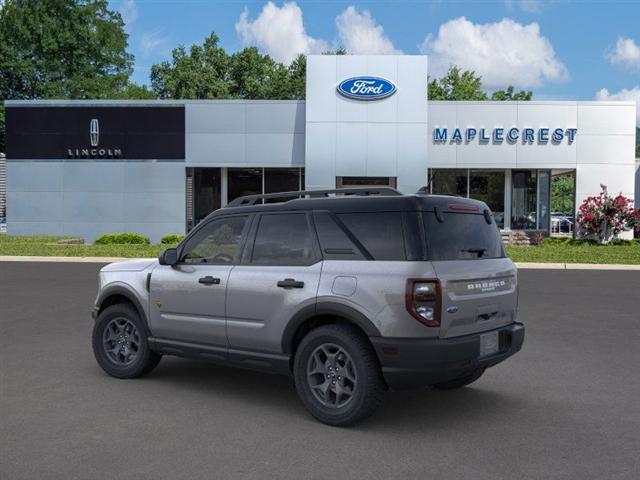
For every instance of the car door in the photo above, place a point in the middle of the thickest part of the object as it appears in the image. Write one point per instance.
(279, 274)
(187, 300)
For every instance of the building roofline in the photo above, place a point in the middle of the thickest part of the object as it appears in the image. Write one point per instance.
(151, 103)
(534, 102)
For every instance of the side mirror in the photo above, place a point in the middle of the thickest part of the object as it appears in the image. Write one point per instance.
(168, 256)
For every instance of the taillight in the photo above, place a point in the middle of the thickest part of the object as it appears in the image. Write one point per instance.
(422, 298)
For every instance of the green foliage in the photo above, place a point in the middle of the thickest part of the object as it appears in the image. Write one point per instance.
(460, 84)
(562, 193)
(61, 49)
(122, 239)
(457, 85)
(568, 250)
(510, 95)
(171, 239)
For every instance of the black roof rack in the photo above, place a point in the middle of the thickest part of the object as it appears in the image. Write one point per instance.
(363, 191)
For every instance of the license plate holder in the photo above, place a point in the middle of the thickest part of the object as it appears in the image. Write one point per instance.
(489, 344)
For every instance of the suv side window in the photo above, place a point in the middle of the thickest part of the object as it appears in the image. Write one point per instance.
(284, 239)
(381, 233)
(217, 243)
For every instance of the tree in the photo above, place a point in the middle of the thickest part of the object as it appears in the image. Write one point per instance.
(457, 85)
(199, 74)
(510, 95)
(298, 74)
(562, 191)
(61, 49)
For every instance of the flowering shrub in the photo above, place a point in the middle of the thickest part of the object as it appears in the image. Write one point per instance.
(604, 217)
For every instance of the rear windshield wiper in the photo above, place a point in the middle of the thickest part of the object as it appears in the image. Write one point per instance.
(479, 251)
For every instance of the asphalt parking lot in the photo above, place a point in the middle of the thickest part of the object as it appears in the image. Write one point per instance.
(567, 406)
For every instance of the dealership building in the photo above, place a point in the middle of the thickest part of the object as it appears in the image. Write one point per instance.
(84, 168)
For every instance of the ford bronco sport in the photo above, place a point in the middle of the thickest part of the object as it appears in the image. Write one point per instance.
(350, 292)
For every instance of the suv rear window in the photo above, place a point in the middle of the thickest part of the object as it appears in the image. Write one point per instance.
(462, 236)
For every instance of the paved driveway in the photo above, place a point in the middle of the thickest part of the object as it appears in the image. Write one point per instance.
(567, 406)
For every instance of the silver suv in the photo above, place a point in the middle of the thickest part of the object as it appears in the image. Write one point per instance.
(350, 292)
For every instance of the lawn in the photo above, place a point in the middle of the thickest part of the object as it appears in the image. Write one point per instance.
(551, 251)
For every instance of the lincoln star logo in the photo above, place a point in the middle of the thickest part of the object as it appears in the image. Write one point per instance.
(94, 132)
(366, 88)
(105, 151)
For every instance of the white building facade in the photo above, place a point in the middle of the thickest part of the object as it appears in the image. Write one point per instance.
(84, 168)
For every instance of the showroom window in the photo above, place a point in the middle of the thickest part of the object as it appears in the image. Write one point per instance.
(255, 181)
(354, 182)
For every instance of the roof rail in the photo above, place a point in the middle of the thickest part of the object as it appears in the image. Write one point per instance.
(363, 191)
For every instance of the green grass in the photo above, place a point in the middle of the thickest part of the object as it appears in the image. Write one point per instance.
(551, 251)
(46, 246)
(575, 251)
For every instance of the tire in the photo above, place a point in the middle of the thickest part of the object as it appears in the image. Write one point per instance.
(322, 353)
(460, 382)
(122, 351)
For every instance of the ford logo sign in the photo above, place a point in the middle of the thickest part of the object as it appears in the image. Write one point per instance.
(366, 88)
(452, 309)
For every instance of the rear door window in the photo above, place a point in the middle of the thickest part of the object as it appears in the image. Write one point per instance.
(284, 239)
(462, 236)
(380, 233)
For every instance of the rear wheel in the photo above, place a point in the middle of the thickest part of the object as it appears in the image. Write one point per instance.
(337, 375)
(120, 343)
(460, 382)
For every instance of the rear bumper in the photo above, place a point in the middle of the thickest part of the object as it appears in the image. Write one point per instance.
(413, 363)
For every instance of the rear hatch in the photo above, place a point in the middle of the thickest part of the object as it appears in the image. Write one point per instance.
(478, 283)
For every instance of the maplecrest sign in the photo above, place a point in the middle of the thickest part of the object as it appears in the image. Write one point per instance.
(512, 135)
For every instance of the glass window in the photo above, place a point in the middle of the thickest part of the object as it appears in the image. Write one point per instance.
(216, 243)
(488, 187)
(523, 199)
(243, 181)
(334, 241)
(380, 233)
(206, 192)
(449, 181)
(544, 199)
(278, 180)
(283, 239)
(462, 236)
(350, 182)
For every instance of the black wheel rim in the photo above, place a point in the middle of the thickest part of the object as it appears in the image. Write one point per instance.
(121, 341)
(331, 375)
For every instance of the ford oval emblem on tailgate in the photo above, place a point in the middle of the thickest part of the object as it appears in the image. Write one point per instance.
(452, 309)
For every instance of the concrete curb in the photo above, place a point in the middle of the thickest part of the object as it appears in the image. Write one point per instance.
(524, 266)
(576, 266)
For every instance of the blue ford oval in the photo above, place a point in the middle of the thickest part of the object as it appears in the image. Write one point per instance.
(366, 88)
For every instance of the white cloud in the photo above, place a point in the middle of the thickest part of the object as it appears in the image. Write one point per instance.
(360, 34)
(278, 31)
(504, 53)
(632, 94)
(626, 53)
(151, 41)
(528, 6)
(129, 12)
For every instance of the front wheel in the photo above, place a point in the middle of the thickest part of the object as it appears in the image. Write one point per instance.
(120, 343)
(337, 375)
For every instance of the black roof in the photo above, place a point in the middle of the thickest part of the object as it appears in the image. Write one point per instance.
(357, 204)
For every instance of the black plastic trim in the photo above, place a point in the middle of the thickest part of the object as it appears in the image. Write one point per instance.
(325, 308)
(129, 295)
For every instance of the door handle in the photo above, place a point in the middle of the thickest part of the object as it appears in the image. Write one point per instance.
(209, 280)
(290, 283)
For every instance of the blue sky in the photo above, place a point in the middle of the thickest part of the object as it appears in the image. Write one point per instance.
(561, 50)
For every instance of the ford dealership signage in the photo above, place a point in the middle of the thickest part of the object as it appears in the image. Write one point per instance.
(510, 135)
(366, 88)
